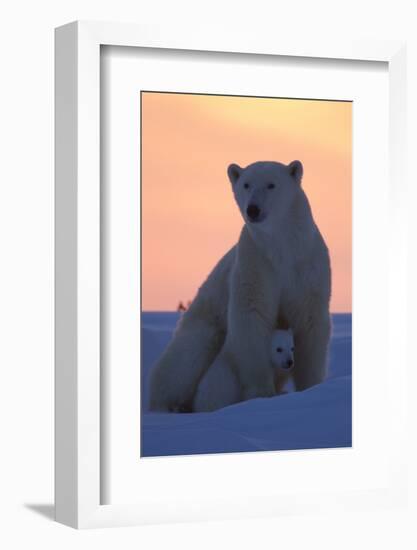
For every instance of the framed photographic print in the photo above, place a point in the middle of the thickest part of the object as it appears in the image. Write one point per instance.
(224, 247)
(191, 223)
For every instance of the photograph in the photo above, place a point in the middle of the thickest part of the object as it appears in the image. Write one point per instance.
(246, 273)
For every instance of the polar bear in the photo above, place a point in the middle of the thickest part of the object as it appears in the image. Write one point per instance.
(282, 350)
(219, 387)
(277, 275)
(282, 357)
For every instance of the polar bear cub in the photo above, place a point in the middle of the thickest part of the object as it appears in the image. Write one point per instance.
(282, 350)
(219, 387)
(282, 357)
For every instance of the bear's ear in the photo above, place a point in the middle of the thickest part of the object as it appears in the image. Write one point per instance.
(296, 170)
(234, 172)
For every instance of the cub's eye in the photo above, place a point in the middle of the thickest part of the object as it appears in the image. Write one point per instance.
(292, 349)
(246, 185)
(279, 350)
(271, 185)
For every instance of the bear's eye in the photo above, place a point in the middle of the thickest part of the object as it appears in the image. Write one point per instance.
(292, 349)
(246, 185)
(279, 350)
(271, 185)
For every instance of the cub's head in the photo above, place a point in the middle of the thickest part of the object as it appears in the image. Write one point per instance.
(282, 349)
(264, 191)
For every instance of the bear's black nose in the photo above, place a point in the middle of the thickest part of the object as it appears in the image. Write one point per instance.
(290, 363)
(253, 211)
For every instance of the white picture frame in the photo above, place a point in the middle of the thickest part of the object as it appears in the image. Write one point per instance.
(78, 405)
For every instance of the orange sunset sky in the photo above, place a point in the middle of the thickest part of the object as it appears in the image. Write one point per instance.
(189, 217)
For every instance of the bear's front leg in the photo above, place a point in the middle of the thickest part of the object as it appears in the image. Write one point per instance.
(311, 348)
(251, 315)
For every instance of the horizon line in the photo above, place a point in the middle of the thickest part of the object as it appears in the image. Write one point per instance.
(176, 311)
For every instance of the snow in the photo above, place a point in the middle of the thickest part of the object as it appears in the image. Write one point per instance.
(320, 417)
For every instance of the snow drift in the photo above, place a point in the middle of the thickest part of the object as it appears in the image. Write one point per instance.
(320, 417)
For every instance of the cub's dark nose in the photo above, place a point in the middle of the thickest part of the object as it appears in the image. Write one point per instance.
(253, 212)
(290, 363)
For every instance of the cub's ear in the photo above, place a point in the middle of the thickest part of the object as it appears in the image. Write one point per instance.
(234, 172)
(296, 170)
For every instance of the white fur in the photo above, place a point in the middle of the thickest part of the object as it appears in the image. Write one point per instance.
(282, 357)
(277, 275)
(282, 350)
(220, 386)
